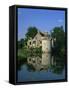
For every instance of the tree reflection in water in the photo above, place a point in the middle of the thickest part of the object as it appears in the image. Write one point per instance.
(42, 62)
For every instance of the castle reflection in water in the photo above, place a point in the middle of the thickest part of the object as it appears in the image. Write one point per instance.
(43, 62)
(42, 66)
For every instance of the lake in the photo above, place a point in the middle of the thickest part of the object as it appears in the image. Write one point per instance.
(39, 67)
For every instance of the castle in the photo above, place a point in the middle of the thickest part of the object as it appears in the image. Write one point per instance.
(41, 39)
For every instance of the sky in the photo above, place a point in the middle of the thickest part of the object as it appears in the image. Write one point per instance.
(44, 20)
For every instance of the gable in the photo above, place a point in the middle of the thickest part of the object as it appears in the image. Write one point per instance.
(38, 36)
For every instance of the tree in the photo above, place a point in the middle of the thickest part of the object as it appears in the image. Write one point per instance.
(59, 34)
(58, 64)
(32, 31)
(20, 43)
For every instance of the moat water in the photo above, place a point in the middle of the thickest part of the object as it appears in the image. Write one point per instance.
(41, 67)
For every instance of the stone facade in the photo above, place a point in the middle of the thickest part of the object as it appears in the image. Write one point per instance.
(40, 63)
(41, 39)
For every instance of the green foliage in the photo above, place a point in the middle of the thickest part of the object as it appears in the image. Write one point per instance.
(24, 52)
(32, 31)
(59, 34)
(58, 65)
(20, 43)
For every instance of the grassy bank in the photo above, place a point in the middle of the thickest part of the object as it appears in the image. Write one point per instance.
(25, 52)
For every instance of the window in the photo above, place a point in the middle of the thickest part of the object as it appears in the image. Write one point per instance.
(34, 42)
(29, 59)
(30, 43)
(33, 61)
